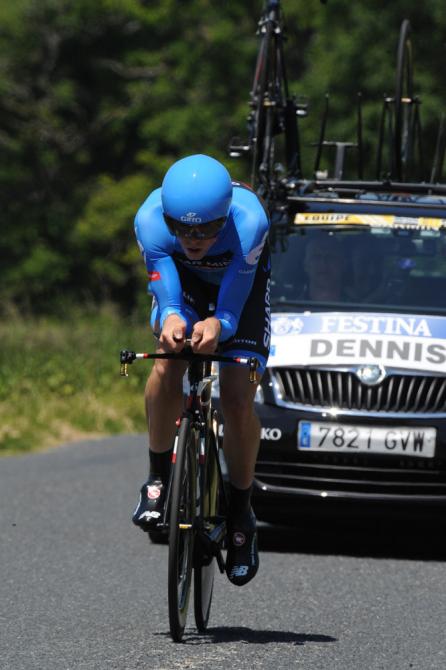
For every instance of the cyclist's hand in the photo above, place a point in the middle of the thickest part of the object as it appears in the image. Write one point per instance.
(173, 334)
(205, 335)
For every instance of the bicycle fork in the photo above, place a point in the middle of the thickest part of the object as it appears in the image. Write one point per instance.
(211, 529)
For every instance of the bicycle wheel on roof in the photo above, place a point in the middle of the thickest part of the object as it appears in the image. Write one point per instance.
(404, 104)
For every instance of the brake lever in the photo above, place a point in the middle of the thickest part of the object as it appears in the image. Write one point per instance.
(126, 358)
(253, 365)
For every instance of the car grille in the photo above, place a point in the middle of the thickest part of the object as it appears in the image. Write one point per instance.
(339, 389)
(357, 475)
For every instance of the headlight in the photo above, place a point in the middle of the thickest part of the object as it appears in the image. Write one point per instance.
(259, 396)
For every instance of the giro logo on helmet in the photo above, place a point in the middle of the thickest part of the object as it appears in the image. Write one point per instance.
(191, 217)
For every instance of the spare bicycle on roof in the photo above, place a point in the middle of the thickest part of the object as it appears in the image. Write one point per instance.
(273, 144)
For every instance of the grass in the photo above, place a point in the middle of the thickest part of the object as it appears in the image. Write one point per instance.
(59, 380)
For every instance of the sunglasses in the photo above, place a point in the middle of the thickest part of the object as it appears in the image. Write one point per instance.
(202, 231)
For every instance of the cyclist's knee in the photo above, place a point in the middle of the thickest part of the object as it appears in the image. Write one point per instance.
(237, 403)
(167, 374)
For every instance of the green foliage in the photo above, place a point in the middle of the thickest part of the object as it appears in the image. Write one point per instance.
(59, 380)
(106, 255)
(98, 98)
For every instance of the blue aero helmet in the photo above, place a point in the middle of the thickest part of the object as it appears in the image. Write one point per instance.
(196, 190)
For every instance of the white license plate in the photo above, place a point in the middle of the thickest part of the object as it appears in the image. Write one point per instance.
(344, 438)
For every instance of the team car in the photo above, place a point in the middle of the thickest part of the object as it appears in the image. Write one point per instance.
(353, 401)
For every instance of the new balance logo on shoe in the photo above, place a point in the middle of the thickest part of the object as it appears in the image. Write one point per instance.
(239, 571)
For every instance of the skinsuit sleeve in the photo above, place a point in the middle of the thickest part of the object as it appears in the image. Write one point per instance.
(251, 224)
(157, 246)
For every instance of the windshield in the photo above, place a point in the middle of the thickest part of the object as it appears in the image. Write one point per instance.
(371, 269)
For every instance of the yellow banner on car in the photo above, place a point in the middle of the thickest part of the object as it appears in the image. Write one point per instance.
(373, 220)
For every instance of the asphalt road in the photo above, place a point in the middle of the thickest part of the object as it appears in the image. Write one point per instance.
(81, 588)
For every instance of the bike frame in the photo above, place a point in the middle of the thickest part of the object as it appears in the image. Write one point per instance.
(191, 512)
(199, 410)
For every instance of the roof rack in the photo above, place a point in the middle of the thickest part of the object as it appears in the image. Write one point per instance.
(363, 186)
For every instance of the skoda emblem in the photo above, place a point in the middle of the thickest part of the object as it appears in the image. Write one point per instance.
(371, 374)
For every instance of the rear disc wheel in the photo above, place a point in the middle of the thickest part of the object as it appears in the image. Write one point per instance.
(204, 570)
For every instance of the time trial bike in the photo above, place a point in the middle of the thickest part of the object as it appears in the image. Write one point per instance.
(194, 517)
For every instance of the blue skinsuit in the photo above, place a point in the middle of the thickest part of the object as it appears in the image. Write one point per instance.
(231, 262)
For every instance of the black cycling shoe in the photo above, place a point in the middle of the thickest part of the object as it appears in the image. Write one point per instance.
(242, 559)
(149, 511)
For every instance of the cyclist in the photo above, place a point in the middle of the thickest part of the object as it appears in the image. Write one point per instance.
(203, 240)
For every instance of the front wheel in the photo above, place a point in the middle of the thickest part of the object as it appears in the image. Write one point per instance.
(181, 528)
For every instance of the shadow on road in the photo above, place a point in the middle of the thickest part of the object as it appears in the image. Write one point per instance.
(376, 539)
(248, 635)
